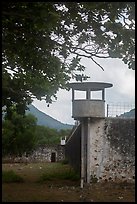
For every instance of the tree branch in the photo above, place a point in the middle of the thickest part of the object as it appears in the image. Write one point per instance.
(82, 55)
(16, 14)
(97, 64)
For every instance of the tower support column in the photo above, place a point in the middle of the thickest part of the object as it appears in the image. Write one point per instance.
(82, 156)
(88, 150)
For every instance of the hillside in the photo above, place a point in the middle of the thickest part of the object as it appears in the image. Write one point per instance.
(46, 120)
(130, 114)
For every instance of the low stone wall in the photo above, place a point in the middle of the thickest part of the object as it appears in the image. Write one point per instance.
(44, 153)
(41, 154)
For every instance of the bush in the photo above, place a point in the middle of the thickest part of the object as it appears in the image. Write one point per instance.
(65, 161)
(11, 176)
(67, 174)
(18, 135)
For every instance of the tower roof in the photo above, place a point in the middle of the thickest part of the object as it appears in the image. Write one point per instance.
(92, 86)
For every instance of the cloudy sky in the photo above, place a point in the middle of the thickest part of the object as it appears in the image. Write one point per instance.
(116, 72)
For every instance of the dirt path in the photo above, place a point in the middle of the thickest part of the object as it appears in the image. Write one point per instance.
(51, 192)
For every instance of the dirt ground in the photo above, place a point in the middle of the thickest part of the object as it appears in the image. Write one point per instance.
(61, 190)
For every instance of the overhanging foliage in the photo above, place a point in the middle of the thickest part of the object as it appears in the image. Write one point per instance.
(43, 42)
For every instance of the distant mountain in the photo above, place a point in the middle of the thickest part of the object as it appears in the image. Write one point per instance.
(130, 114)
(46, 120)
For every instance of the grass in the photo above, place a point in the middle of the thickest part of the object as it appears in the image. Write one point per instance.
(65, 161)
(60, 171)
(40, 172)
(66, 175)
(10, 177)
(58, 184)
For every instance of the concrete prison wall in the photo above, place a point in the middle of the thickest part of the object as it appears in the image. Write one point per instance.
(72, 148)
(112, 149)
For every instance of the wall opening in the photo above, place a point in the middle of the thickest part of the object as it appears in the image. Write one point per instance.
(53, 157)
(96, 95)
(80, 95)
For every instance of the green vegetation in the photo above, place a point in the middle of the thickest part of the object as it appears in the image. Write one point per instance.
(48, 172)
(42, 47)
(43, 43)
(65, 161)
(11, 176)
(18, 134)
(49, 135)
(60, 171)
(60, 190)
(70, 175)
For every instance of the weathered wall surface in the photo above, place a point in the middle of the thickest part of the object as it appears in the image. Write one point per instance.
(72, 149)
(112, 153)
(44, 153)
(41, 154)
(88, 108)
(112, 149)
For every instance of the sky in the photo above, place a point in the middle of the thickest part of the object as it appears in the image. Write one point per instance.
(115, 72)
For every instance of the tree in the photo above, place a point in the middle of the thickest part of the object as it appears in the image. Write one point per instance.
(43, 42)
(48, 135)
(18, 134)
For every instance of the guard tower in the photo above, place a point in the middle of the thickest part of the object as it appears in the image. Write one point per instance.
(86, 111)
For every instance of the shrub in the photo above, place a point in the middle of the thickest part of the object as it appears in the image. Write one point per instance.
(18, 134)
(11, 176)
(68, 174)
(65, 161)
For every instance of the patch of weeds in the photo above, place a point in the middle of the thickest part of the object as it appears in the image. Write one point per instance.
(65, 161)
(45, 177)
(64, 175)
(93, 179)
(10, 176)
(70, 175)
